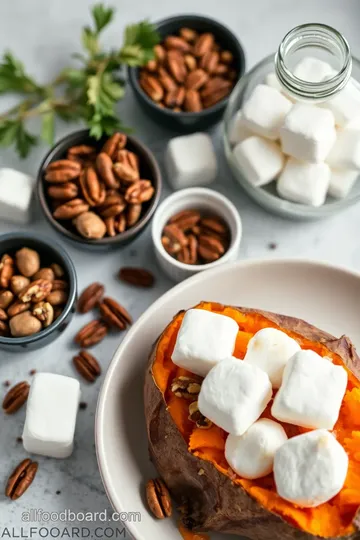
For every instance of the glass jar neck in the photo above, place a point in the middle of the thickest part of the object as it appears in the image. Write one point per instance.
(322, 42)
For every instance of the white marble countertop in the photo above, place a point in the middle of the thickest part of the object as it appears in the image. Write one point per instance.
(44, 33)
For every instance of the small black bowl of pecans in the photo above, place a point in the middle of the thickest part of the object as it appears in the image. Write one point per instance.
(196, 66)
(99, 194)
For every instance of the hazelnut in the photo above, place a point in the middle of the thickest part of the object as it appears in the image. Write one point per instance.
(90, 225)
(6, 297)
(28, 261)
(24, 324)
(18, 283)
(44, 273)
(57, 269)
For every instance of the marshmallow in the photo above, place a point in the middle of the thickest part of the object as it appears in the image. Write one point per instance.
(204, 339)
(51, 414)
(252, 455)
(272, 80)
(265, 110)
(345, 154)
(313, 70)
(270, 349)
(308, 133)
(305, 183)
(190, 160)
(238, 131)
(311, 392)
(345, 106)
(16, 189)
(342, 182)
(310, 469)
(260, 160)
(234, 394)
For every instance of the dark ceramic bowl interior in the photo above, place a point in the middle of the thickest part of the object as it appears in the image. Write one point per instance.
(186, 122)
(149, 169)
(50, 252)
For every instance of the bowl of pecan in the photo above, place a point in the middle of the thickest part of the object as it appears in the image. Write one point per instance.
(193, 230)
(99, 194)
(37, 291)
(196, 66)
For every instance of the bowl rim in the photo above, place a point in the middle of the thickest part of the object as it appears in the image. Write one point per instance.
(186, 195)
(262, 197)
(133, 71)
(66, 142)
(70, 268)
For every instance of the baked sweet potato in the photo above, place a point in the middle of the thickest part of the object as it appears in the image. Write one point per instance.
(192, 463)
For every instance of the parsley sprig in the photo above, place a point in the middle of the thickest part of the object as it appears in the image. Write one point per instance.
(88, 92)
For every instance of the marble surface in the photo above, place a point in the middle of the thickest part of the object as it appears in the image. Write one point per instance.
(44, 34)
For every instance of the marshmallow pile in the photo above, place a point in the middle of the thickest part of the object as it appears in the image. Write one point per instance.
(309, 469)
(312, 151)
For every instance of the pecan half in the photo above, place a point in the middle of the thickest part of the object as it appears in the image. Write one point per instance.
(113, 205)
(186, 219)
(16, 397)
(87, 365)
(114, 314)
(125, 172)
(91, 334)
(21, 479)
(160, 53)
(176, 65)
(18, 307)
(190, 62)
(130, 158)
(3, 315)
(215, 85)
(139, 192)
(196, 79)
(92, 189)
(166, 80)
(175, 42)
(63, 192)
(82, 152)
(6, 270)
(192, 101)
(60, 285)
(62, 170)
(90, 297)
(152, 87)
(121, 223)
(188, 34)
(204, 44)
(210, 61)
(208, 254)
(44, 312)
(176, 235)
(133, 213)
(115, 143)
(185, 387)
(6, 297)
(104, 166)
(175, 98)
(199, 419)
(227, 57)
(36, 291)
(158, 498)
(71, 209)
(214, 225)
(111, 228)
(215, 97)
(137, 276)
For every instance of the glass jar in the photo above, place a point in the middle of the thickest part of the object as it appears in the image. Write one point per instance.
(308, 40)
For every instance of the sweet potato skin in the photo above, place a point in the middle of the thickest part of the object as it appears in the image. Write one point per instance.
(212, 501)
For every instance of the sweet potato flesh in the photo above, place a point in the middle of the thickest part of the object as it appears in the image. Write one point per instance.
(332, 519)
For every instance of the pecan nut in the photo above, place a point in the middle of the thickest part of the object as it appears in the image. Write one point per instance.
(82, 153)
(44, 273)
(199, 419)
(192, 102)
(131, 159)
(114, 314)
(175, 42)
(215, 97)
(92, 189)
(18, 283)
(204, 44)
(175, 98)
(6, 297)
(44, 312)
(4, 329)
(214, 225)
(210, 61)
(16, 397)
(113, 205)
(60, 285)
(152, 87)
(62, 170)
(166, 80)
(63, 192)
(115, 143)
(18, 307)
(176, 65)
(133, 214)
(87, 365)
(36, 291)
(58, 297)
(160, 53)
(215, 85)
(104, 167)
(137, 276)
(158, 498)
(6, 270)
(125, 172)
(3, 315)
(176, 236)
(139, 192)
(90, 297)
(185, 387)
(57, 269)
(121, 223)
(21, 479)
(91, 334)
(71, 209)
(186, 219)
(196, 79)
(190, 62)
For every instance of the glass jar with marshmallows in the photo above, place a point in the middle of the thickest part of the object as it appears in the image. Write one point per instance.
(292, 126)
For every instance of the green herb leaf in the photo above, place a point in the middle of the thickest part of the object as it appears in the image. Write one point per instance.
(8, 130)
(74, 77)
(13, 77)
(48, 127)
(139, 43)
(24, 141)
(90, 41)
(102, 16)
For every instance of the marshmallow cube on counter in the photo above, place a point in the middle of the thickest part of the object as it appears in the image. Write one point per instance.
(204, 339)
(308, 133)
(234, 394)
(190, 160)
(313, 70)
(270, 350)
(260, 160)
(51, 413)
(16, 189)
(342, 182)
(238, 131)
(311, 392)
(310, 469)
(345, 106)
(345, 154)
(265, 111)
(251, 455)
(305, 183)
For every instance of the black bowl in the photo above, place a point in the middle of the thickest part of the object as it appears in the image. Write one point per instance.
(50, 252)
(149, 170)
(187, 122)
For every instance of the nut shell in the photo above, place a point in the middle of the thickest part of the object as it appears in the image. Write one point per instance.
(90, 225)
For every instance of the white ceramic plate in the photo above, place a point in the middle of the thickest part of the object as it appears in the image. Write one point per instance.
(323, 295)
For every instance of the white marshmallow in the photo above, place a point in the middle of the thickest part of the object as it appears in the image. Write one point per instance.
(310, 469)
(345, 106)
(16, 189)
(345, 154)
(265, 110)
(190, 160)
(342, 182)
(234, 394)
(272, 80)
(305, 183)
(260, 160)
(204, 339)
(51, 413)
(308, 133)
(313, 70)
(270, 349)
(238, 131)
(252, 455)
(311, 393)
